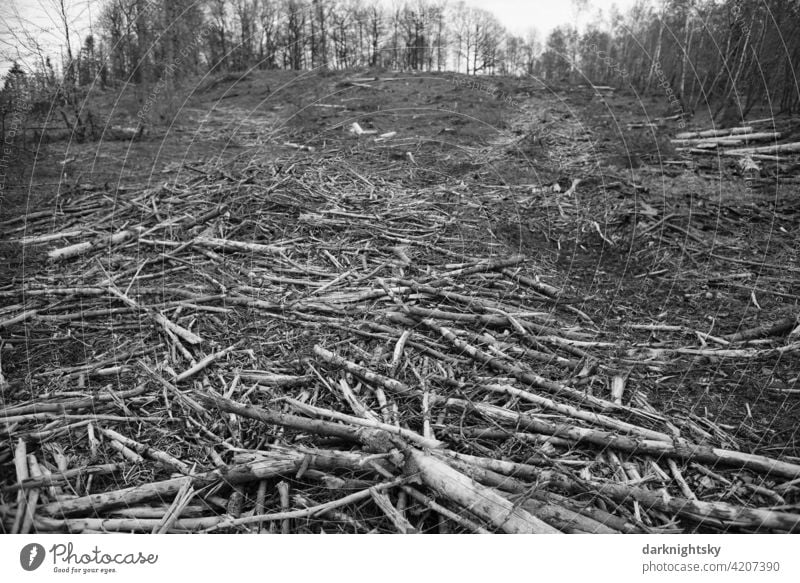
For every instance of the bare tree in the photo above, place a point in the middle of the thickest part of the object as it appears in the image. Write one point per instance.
(268, 38)
(69, 69)
(218, 10)
(656, 60)
(687, 43)
(375, 17)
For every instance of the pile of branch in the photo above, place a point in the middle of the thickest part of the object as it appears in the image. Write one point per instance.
(738, 141)
(279, 352)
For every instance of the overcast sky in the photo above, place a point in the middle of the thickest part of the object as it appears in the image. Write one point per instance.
(544, 15)
(42, 17)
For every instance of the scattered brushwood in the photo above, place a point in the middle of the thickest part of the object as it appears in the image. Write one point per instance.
(283, 352)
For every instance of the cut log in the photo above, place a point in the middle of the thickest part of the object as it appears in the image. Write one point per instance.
(772, 149)
(467, 493)
(714, 133)
(727, 140)
(87, 246)
(770, 329)
(227, 245)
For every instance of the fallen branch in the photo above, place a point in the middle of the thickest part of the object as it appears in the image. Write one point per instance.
(82, 248)
(480, 501)
(679, 449)
(390, 385)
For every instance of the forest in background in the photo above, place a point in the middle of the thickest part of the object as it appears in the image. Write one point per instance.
(727, 54)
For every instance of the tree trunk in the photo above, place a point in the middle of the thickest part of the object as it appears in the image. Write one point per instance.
(686, 49)
(656, 64)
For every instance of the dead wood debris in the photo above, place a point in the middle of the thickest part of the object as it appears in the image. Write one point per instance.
(305, 358)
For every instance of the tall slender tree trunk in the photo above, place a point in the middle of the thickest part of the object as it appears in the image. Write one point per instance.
(319, 47)
(687, 42)
(475, 52)
(656, 64)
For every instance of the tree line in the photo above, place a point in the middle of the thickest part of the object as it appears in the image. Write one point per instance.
(732, 53)
(140, 36)
(727, 54)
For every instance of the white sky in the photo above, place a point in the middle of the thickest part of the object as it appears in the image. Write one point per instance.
(41, 16)
(22, 21)
(544, 15)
